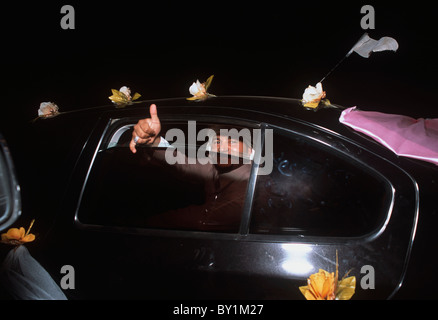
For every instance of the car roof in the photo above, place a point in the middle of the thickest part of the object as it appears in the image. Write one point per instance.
(244, 107)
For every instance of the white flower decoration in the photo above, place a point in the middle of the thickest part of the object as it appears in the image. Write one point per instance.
(313, 94)
(126, 91)
(199, 90)
(122, 97)
(48, 110)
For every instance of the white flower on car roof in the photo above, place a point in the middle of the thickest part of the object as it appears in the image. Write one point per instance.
(199, 90)
(122, 97)
(126, 91)
(47, 110)
(313, 94)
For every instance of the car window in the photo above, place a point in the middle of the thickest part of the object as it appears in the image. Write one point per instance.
(145, 190)
(316, 190)
(10, 201)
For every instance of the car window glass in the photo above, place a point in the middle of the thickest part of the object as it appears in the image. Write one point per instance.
(316, 190)
(144, 190)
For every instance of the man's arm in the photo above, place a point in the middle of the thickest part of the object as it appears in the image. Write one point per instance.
(147, 131)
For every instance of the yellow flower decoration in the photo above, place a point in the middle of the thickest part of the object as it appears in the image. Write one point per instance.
(15, 236)
(325, 286)
(320, 286)
(121, 98)
(199, 90)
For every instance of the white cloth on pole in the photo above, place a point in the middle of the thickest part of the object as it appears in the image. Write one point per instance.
(366, 45)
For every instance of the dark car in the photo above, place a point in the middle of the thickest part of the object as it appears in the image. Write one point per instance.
(322, 191)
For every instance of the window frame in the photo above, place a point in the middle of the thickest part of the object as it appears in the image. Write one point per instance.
(374, 233)
(339, 143)
(113, 126)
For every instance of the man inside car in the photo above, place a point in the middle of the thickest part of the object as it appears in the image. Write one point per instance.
(225, 182)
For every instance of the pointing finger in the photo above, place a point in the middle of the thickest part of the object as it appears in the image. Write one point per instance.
(154, 113)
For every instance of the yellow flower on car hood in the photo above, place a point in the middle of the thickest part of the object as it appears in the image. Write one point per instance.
(320, 286)
(326, 286)
(17, 236)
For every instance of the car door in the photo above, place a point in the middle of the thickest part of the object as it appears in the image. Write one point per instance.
(271, 254)
(114, 253)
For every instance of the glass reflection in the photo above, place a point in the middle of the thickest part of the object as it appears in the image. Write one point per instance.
(296, 261)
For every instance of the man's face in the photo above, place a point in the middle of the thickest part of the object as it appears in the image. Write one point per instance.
(229, 147)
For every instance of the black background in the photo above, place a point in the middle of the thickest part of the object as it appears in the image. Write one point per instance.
(158, 48)
(268, 48)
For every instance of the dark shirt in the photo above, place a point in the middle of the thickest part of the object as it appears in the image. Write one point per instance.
(225, 190)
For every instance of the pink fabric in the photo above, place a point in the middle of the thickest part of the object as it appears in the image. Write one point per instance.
(405, 136)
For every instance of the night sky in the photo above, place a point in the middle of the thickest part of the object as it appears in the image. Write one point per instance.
(254, 48)
(263, 48)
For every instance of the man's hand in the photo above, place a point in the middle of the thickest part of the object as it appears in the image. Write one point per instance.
(147, 130)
